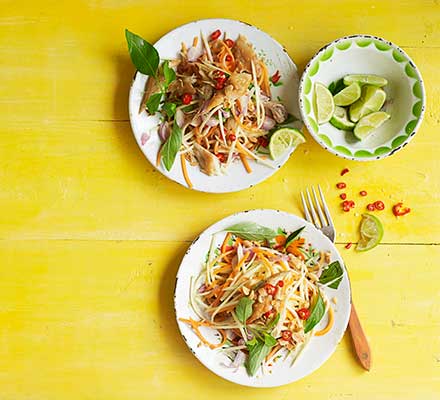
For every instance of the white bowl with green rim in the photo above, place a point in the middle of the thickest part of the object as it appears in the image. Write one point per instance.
(365, 54)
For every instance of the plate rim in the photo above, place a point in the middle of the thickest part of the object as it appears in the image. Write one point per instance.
(203, 190)
(316, 137)
(244, 212)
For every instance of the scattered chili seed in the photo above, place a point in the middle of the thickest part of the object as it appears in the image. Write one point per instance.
(351, 203)
(216, 34)
(399, 210)
(343, 196)
(379, 205)
(230, 43)
(363, 193)
(341, 185)
(345, 171)
(348, 245)
(371, 207)
(346, 208)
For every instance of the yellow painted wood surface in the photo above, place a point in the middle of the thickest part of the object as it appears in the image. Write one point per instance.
(91, 236)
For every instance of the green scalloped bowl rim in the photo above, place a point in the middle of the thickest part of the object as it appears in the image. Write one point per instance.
(314, 69)
(364, 42)
(344, 45)
(327, 54)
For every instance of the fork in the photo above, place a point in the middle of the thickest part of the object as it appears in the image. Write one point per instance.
(323, 221)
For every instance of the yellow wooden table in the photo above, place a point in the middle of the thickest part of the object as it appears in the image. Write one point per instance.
(91, 236)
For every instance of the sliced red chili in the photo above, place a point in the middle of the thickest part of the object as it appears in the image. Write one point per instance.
(363, 193)
(271, 290)
(348, 245)
(280, 283)
(286, 335)
(269, 313)
(303, 313)
(263, 141)
(346, 208)
(216, 34)
(345, 171)
(351, 203)
(187, 98)
(230, 43)
(379, 205)
(343, 196)
(275, 77)
(341, 185)
(399, 210)
(228, 57)
(371, 207)
(232, 137)
(221, 157)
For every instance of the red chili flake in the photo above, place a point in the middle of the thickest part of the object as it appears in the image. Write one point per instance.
(187, 98)
(363, 193)
(232, 137)
(399, 210)
(351, 203)
(346, 203)
(263, 141)
(216, 34)
(286, 335)
(348, 245)
(343, 196)
(220, 84)
(371, 207)
(230, 43)
(270, 289)
(379, 205)
(275, 77)
(228, 57)
(346, 208)
(221, 157)
(341, 185)
(280, 283)
(345, 171)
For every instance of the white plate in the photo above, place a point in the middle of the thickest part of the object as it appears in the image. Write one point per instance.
(316, 352)
(168, 47)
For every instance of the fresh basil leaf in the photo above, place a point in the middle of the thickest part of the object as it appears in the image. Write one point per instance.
(153, 102)
(244, 309)
(293, 236)
(271, 324)
(189, 107)
(143, 55)
(171, 147)
(336, 86)
(331, 274)
(251, 231)
(316, 314)
(258, 350)
(281, 231)
(168, 73)
(269, 340)
(170, 109)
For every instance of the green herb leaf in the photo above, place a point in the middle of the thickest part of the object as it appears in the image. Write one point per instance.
(153, 102)
(143, 55)
(279, 83)
(170, 109)
(251, 231)
(293, 236)
(171, 147)
(316, 314)
(332, 273)
(189, 107)
(168, 73)
(271, 324)
(244, 309)
(336, 86)
(258, 350)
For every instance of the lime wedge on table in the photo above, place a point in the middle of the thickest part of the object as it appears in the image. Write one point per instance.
(340, 119)
(369, 123)
(371, 231)
(324, 104)
(348, 95)
(371, 100)
(365, 79)
(283, 139)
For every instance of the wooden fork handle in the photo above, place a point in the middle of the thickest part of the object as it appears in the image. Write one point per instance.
(360, 341)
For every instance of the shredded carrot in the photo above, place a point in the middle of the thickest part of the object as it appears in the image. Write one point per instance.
(273, 351)
(241, 149)
(246, 165)
(264, 79)
(195, 41)
(225, 242)
(185, 171)
(294, 247)
(195, 326)
(329, 323)
(158, 158)
(280, 239)
(266, 263)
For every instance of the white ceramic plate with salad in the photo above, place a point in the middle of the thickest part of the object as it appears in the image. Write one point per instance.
(262, 298)
(206, 101)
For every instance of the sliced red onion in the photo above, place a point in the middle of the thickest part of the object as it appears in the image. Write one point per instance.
(226, 114)
(202, 288)
(144, 138)
(212, 122)
(179, 117)
(194, 53)
(196, 121)
(268, 123)
(164, 131)
(238, 360)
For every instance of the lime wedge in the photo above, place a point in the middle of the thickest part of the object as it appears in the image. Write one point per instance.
(348, 95)
(365, 79)
(340, 119)
(283, 139)
(371, 100)
(324, 104)
(369, 123)
(371, 231)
